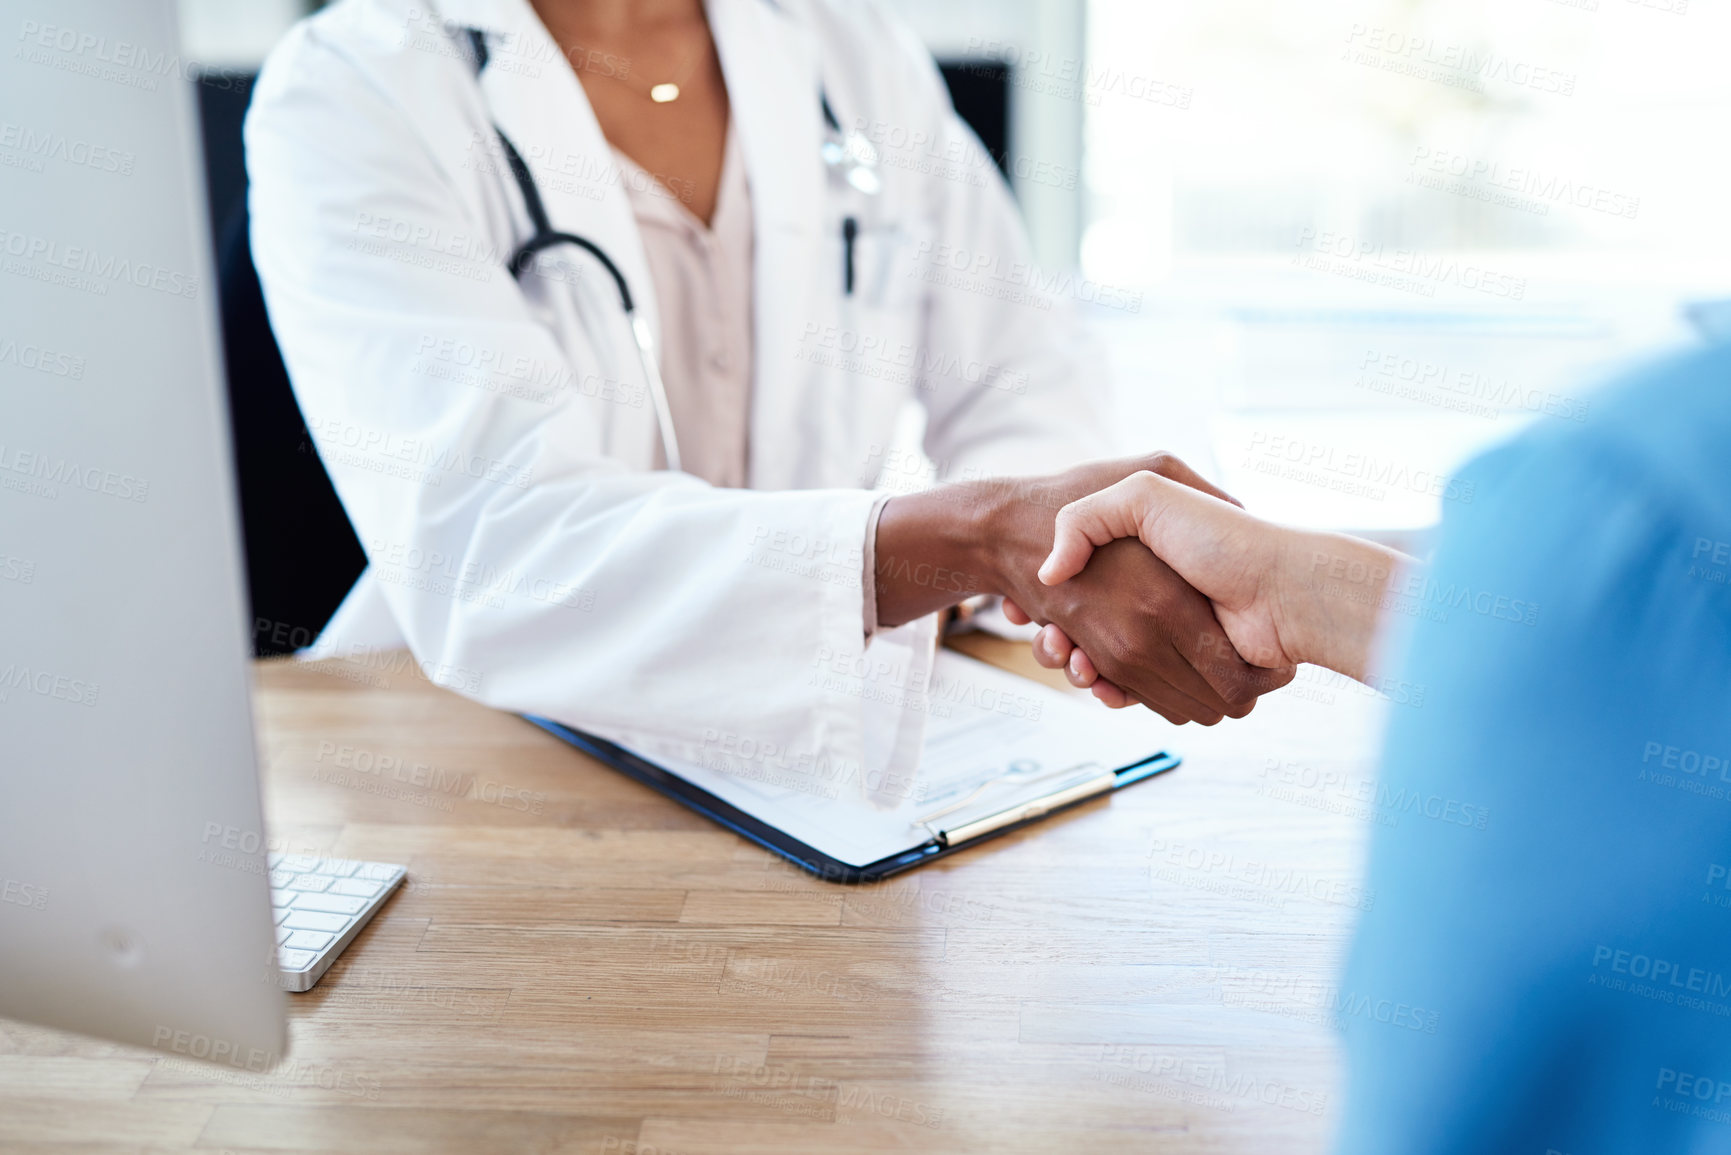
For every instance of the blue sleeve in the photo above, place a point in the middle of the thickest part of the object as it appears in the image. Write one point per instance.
(1552, 971)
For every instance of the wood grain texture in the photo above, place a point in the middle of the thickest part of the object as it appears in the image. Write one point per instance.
(580, 965)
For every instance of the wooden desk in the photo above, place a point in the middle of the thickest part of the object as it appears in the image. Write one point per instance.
(580, 965)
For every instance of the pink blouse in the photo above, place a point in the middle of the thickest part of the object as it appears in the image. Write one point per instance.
(703, 288)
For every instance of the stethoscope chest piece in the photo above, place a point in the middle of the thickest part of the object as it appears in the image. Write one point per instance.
(847, 154)
(852, 157)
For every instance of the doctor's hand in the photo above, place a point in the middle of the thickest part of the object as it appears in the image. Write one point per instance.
(1282, 595)
(1146, 631)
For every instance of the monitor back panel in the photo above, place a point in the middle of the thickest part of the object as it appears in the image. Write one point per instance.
(133, 899)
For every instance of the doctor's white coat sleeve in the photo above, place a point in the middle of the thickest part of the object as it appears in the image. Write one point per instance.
(523, 564)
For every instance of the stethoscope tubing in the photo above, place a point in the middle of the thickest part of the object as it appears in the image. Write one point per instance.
(544, 236)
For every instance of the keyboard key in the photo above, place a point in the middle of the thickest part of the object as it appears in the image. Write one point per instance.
(282, 933)
(337, 867)
(359, 887)
(310, 882)
(329, 903)
(281, 877)
(294, 960)
(279, 913)
(281, 897)
(308, 940)
(299, 863)
(312, 920)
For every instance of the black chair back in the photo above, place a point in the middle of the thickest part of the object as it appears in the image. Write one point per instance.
(302, 555)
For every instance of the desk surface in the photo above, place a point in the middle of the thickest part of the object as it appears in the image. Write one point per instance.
(580, 965)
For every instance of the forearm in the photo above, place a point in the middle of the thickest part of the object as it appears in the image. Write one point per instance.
(932, 552)
(1331, 595)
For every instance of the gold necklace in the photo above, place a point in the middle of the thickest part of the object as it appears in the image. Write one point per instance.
(667, 91)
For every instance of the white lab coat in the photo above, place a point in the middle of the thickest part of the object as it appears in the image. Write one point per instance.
(493, 442)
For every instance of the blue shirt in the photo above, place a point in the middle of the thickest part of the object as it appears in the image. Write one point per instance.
(1560, 980)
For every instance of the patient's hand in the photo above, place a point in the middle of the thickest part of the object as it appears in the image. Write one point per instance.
(1230, 556)
(1268, 584)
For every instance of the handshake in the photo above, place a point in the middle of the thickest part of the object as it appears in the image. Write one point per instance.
(1151, 586)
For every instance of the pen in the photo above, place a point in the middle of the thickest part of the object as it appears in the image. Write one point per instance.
(1102, 783)
(849, 230)
(1093, 785)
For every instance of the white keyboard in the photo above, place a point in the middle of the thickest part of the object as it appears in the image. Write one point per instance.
(320, 905)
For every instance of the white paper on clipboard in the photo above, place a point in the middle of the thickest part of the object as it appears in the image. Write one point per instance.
(993, 739)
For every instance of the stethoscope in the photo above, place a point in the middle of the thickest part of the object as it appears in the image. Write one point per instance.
(849, 158)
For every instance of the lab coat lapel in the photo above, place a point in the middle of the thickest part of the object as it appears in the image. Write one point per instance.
(770, 66)
(537, 100)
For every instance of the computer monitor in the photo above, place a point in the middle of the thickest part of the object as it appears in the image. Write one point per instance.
(134, 903)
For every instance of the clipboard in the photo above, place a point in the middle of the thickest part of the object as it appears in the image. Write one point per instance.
(825, 866)
(971, 817)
